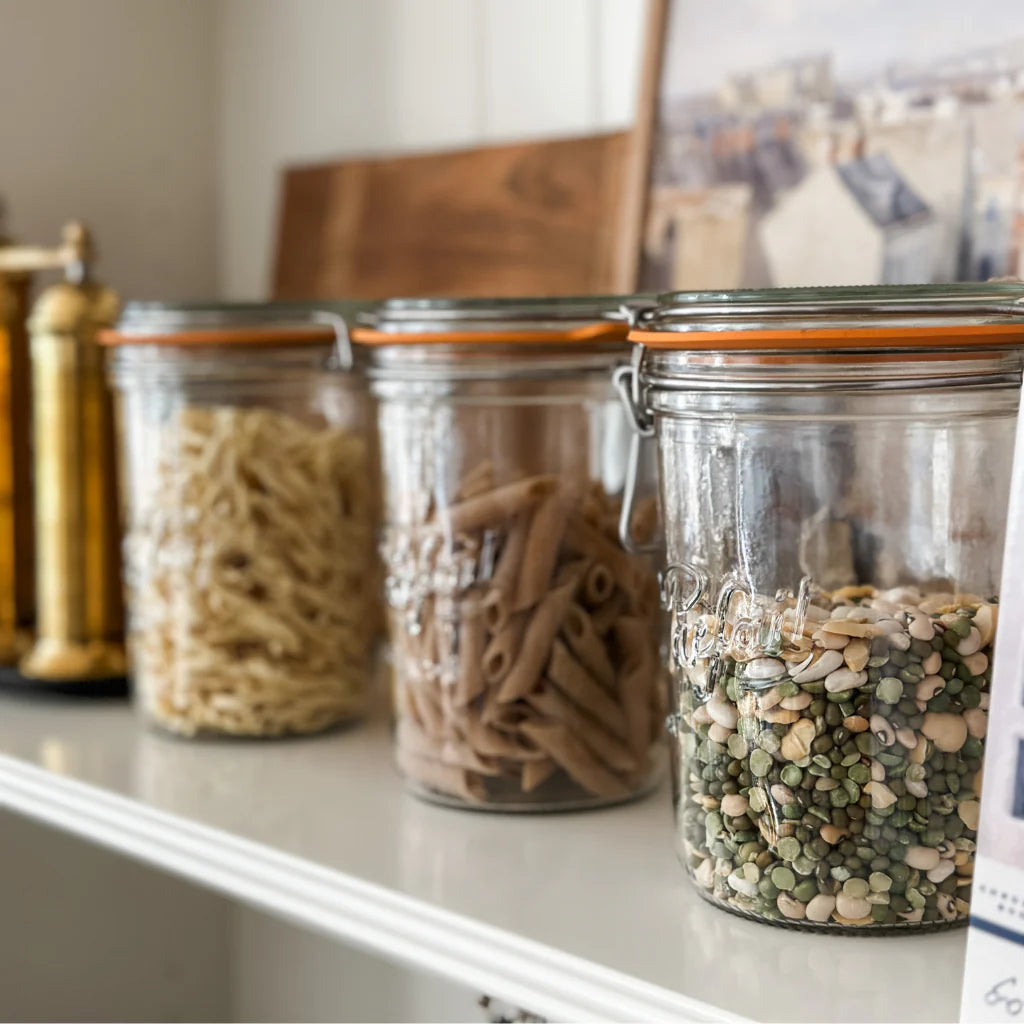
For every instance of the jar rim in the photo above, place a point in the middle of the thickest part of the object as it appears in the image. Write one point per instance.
(854, 318)
(229, 327)
(483, 321)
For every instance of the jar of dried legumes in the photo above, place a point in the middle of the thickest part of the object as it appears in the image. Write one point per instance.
(524, 637)
(835, 468)
(250, 497)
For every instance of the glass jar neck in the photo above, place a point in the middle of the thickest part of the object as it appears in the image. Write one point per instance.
(145, 364)
(435, 362)
(667, 370)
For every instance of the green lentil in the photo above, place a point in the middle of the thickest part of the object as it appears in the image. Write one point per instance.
(889, 690)
(783, 878)
(760, 763)
(789, 848)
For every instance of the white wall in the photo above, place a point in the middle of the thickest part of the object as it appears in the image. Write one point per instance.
(307, 80)
(107, 114)
(165, 123)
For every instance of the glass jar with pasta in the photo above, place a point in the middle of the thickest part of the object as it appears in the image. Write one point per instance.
(524, 636)
(250, 507)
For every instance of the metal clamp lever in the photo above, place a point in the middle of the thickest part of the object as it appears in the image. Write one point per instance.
(342, 340)
(627, 383)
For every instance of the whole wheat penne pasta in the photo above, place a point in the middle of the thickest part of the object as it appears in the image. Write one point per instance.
(536, 772)
(584, 539)
(576, 682)
(635, 685)
(491, 742)
(506, 568)
(429, 713)
(459, 754)
(413, 739)
(544, 625)
(637, 677)
(541, 552)
(469, 682)
(587, 645)
(598, 585)
(648, 597)
(454, 752)
(573, 571)
(501, 652)
(498, 505)
(404, 706)
(442, 777)
(542, 685)
(497, 609)
(645, 519)
(603, 616)
(423, 645)
(635, 636)
(614, 753)
(593, 508)
(574, 757)
(479, 479)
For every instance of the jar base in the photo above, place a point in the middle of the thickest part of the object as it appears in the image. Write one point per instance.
(538, 806)
(159, 728)
(824, 928)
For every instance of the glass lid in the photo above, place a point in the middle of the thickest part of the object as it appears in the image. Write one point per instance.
(826, 319)
(244, 324)
(475, 321)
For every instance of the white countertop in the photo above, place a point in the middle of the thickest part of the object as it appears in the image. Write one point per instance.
(585, 915)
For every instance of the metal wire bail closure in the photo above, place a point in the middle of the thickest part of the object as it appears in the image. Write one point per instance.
(342, 339)
(627, 382)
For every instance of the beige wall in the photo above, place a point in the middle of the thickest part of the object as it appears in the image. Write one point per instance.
(107, 114)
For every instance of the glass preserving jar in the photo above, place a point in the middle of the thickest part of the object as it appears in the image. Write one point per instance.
(524, 637)
(835, 470)
(249, 486)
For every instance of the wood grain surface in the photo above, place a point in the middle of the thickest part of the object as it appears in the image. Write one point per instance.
(537, 218)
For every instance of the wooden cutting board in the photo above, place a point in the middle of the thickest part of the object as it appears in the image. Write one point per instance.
(538, 218)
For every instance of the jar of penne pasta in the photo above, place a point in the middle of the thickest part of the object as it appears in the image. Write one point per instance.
(250, 502)
(524, 635)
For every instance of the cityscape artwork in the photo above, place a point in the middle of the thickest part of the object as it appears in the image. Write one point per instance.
(837, 143)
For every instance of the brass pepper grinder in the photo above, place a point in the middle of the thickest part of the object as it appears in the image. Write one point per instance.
(17, 560)
(80, 618)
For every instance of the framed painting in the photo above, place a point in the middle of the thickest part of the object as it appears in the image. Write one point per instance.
(818, 142)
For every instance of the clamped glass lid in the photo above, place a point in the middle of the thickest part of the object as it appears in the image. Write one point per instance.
(234, 324)
(487, 321)
(894, 317)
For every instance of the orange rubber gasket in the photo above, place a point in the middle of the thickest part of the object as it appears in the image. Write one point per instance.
(611, 330)
(803, 357)
(810, 338)
(313, 334)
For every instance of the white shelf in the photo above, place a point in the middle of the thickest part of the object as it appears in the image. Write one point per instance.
(582, 916)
